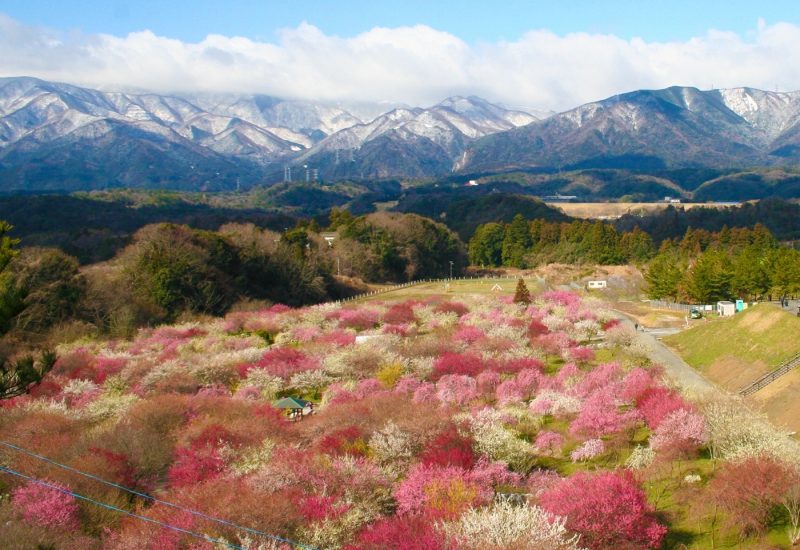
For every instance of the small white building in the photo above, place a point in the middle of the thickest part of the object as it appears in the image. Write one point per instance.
(594, 285)
(726, 309)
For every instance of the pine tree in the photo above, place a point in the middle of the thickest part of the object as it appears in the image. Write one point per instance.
(516, 242)
(522, 295)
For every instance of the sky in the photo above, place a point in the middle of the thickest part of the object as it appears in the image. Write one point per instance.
(533, 55)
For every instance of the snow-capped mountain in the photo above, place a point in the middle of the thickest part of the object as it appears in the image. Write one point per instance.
(443, 131)
(673, 127)
(48, 127)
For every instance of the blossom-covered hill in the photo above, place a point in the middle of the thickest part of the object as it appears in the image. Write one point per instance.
(437, 424)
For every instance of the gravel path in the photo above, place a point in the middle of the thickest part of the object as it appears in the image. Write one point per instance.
(676, 368)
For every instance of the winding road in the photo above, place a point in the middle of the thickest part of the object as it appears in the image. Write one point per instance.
(676, 368)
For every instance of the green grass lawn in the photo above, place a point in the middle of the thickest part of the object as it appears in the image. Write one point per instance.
(762, 333)
(454, 288)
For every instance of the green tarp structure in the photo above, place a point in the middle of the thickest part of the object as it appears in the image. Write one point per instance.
(291, 403)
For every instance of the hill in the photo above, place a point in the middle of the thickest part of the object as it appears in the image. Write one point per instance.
(735, 351)
(463, 211)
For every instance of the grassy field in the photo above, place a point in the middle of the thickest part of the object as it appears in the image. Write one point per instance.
(605, 210)
(736, 350)
(461, 287)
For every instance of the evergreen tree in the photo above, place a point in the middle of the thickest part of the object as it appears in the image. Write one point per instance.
(636, 246)
(486, 245)
(663, 276)
(522, 295)
(785, 265)
(750, 273)
(709, 279)
(516, 242)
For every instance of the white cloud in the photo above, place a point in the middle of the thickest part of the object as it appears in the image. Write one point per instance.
(415, 65)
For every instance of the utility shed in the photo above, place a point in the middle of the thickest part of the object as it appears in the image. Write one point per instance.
(726, 309)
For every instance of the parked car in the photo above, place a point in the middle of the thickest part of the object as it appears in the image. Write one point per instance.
(695, 313)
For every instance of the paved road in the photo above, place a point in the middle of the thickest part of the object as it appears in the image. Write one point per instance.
(676, 368)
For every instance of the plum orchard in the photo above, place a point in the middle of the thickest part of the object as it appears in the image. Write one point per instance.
(429, 414)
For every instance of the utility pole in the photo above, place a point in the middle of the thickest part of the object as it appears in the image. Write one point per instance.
(451, 269)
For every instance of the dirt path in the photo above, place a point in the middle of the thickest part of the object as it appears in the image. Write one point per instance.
(677, 369)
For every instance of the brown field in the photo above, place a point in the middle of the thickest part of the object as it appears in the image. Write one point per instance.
(611, 210)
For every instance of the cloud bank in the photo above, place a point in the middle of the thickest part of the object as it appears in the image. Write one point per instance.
(416, 65)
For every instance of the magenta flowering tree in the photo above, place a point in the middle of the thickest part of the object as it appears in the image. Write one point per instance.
(456, 389)
(553, 343)
(548, 442)
(469, 334)
(393, 533)
(580, 354)
(600, 416)
(46, 506)
(603, 377)
(281, 361)
(681, 432)
(636, 383)
(528, 380)
(561, 297)
(487, 382)
(608, 509)
(337, 337)
(468, 364)
(655, 404)
(509, 392)
(588, 450)
(425, 393)
(359, 319)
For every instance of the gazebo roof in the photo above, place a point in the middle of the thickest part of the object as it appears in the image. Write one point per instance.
(291, 403)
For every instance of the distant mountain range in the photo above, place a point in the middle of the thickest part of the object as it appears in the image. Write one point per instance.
(59, 136)
(671, 128)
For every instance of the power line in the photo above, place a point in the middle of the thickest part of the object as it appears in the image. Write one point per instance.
(121, 510)
(154, 499)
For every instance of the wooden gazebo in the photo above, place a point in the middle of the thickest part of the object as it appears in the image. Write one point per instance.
(294, 406)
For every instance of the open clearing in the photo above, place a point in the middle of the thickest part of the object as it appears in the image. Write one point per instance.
(610, 210)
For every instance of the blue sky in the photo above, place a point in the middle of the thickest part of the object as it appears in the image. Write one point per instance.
(534, 55)
(472, 21)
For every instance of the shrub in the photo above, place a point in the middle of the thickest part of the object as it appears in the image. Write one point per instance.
(438, 492)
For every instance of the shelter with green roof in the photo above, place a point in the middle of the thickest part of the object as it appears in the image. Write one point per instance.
(294, 406)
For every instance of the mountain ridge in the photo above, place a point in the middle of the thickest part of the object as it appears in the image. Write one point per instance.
(61, 136)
